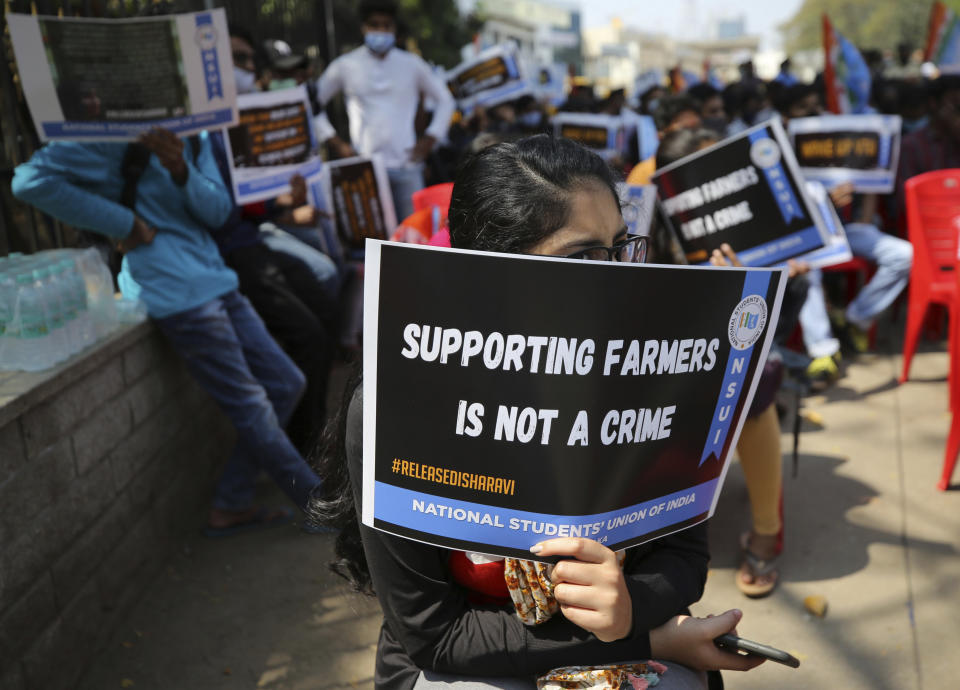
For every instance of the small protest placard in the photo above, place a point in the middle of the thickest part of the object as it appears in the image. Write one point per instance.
(273, 142)
(358, 190)
(111, 79)
(637, 204)
(496, 416)
(746, 191)
(602, 133)
(550, 83)
(860, 149)
(494, 76)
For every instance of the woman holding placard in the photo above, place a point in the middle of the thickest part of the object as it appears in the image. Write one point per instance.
(456, 617)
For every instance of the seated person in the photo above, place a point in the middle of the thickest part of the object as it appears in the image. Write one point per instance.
(448, 615)
(161, 207)
(892, 255)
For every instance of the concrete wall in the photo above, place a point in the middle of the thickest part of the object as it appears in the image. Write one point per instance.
(104, 462)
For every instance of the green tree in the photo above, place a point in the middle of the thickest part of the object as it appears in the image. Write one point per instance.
(438, 29)
(880, 24)
(435, 28)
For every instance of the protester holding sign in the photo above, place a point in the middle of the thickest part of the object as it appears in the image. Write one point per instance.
(383, 85)
(160, 201)
(759, 445)
(448, 615)
(745, 191)
(112, 79)
(892, 255)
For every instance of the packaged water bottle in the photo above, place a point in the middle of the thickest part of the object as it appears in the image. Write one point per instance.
(35, 343)
(53, 305)
(9, 329)
(60, 291)
(86, 332)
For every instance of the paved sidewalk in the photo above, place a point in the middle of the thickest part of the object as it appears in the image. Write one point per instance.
(865, 527)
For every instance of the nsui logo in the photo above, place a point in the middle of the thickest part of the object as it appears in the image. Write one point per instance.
(747, 322)
(206, 37)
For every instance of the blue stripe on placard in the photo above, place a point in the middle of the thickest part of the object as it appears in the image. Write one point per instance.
(778, 182)
(735, 374)
(879, 181)
(128, 130)
(782, 248)
(279, 180)
(883, 158)
(823, 257)
(207, 38)
(520, 529)
(511, 65)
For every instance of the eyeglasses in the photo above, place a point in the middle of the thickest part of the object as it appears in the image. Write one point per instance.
(632, 250)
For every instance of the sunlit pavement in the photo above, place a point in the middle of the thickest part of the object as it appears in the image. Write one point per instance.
(865, 527)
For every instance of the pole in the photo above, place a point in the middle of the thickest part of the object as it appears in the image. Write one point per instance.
(331, 33)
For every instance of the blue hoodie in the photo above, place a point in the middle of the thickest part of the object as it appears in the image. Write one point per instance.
(80, 184)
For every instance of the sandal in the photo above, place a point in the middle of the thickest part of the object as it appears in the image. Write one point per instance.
(758, 568)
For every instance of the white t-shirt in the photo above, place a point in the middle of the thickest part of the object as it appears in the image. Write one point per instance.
(382, 96)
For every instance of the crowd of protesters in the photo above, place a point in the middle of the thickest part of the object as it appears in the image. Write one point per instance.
(252, 296)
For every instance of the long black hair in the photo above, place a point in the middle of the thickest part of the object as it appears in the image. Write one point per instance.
(506, 198)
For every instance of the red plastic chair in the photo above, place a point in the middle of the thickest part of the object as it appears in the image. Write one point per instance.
(435, 195)
(933, 224)
(953, 438)
(420, 226)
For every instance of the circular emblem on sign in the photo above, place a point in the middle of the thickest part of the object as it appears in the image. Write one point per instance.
(206, 37)
(765, 153)
(747, 322)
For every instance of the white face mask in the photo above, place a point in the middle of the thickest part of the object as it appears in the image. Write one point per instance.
(379, 41)
(245, 80)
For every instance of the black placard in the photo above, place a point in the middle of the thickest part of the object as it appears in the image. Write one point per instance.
(436, 469)
(862, 150)
(745, 191)
(357, 202)
(837, 149)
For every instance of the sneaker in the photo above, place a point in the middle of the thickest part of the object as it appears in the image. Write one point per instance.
(852, 338)
(855, 338)
(823, 371)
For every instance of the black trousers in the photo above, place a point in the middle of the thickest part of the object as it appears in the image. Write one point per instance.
(301, 319)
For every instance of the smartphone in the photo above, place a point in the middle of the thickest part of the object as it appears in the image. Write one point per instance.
(732, 642)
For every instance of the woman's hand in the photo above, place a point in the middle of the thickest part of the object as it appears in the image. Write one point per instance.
(689, 641)
(797, 268)
(842, 194)
(725, 256)
(590, 589)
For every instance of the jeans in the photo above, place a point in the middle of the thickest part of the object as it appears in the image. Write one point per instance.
(228, 350)
(286, 241)
(298, 315)
(403, 183)
(893, 258)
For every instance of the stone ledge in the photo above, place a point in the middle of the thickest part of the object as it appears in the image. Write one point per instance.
(21, 391)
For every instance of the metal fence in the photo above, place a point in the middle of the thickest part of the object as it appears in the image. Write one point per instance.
(308, 26)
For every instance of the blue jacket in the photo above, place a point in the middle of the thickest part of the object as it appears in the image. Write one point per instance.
(80, 184)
